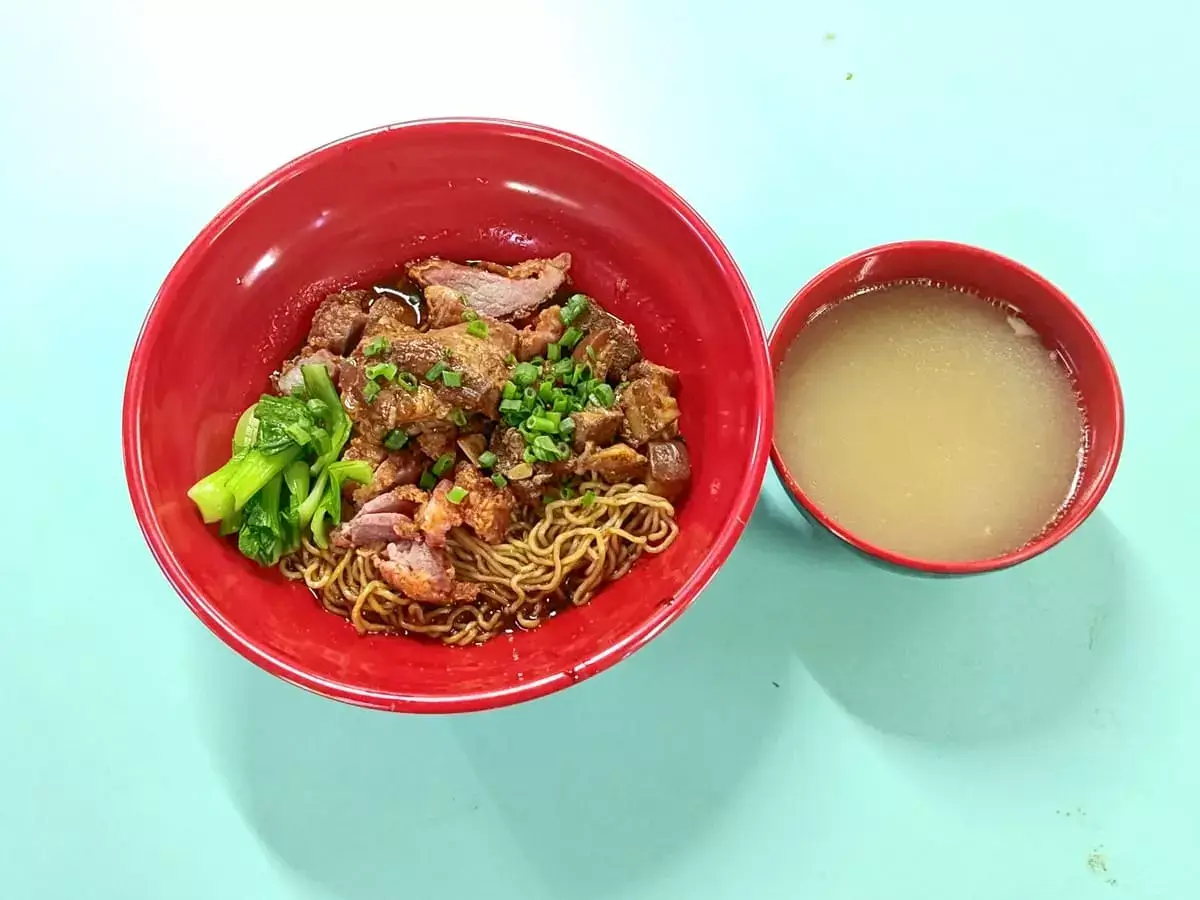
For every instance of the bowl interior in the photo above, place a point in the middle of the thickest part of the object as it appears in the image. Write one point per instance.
(238, 303)
(1057, 320)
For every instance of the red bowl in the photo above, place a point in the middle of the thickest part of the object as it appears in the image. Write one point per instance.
(238, 302)
(1059, 322)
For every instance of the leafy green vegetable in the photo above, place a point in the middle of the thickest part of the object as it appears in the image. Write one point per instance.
(261, 536)
(329, 508)
(283, 421)
(296, 478)
(320, 387)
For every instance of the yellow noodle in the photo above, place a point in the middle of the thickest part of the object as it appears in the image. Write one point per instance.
(561, 559)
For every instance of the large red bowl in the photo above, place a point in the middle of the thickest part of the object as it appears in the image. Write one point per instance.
(238, 302)
(1059, 322)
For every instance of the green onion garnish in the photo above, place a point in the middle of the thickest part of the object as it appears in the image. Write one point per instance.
(408, 381)
(542, 424)
(575, 307)
(591, 352)
(510, 391)
(499, 480)
(478, 328)
(456, 494)
(487, 459)
(510, 405)
(546, 392)
(451, 378)
(553, 352)
(458, 417)
(427, 482)
(567, 492)
(524, 374)
(566, 427)
(443, 464)
(375, 346)
(603, 395)
(386, 370)
(510, 360)
(571, 338)
(469, 315)
(436, 372)
(564, 367)
(588, 498)
(396, 439)
(370, 391)
(537, 361)
(528, 456)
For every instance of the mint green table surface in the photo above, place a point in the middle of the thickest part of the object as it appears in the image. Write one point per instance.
(813, 727)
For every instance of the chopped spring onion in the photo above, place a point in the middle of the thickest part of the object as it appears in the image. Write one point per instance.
(576, 306)
(542, 424)
(499, 480)
(375, 346)
(370, 391)
(603, 395)
(387, 371)
(510, 391)
(469, 315)
(436, 372)
(546, 393)
(591, 352)
(456, 495)
(567, 492)
(408, 381)
(571, 338)
(443, 464)
(510, 360)
(588, 498)
(458, 417)
(564, 367)
(566, 427)
(478, 328)
(487, 459)
(396, 439)
(451, 378)
(553, 352)
(510, 406)
(524, 375)
(428, 482)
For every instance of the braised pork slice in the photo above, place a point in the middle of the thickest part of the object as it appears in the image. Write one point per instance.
(394, 470)
(502, 293)
(418, 571)
(616, 464)
(372, 528)
(609, 345)
(445, 306)
(487, 509)
(338, 322)
(438, 515)
(650, 411)
(670, 469)
(596, 426)
(388, 315)
(546, 329)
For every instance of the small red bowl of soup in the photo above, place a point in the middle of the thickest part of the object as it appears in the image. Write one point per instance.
(942, 408)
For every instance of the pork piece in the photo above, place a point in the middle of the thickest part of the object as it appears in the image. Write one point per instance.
(437, 439)
(487, 509)
(418, 571)
(670, 469)
(617, 464)
(596, 426)
(405, 500)
(338, 322)
(445, 306)
(479, 361)
(650, 411)
(290, 377)
(387, 316)
(403, 467)
(372, 528)
(493, 290)
(546, 329)
(509, 447)
(647, 369)
(438, 515)
(393, 407)
(613, 343)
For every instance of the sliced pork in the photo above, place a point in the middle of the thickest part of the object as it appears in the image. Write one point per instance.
(338, 322)
(502, 293)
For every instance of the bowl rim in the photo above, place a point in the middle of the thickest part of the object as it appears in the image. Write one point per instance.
(463, 701)
(1056, 532)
